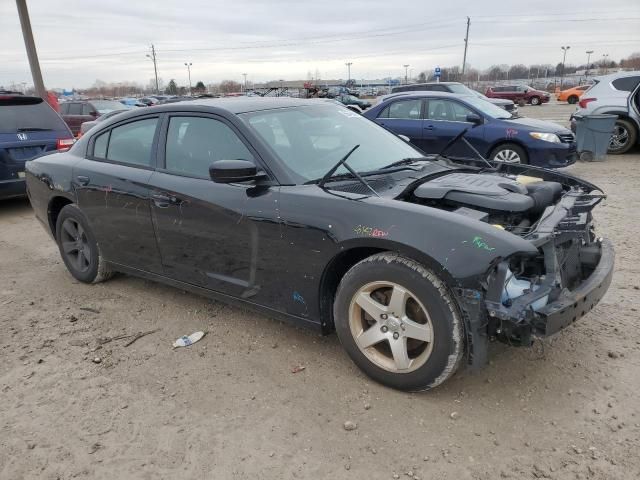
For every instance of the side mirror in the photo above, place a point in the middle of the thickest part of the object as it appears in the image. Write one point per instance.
(232, 171)
(405, 138)
(475, 119)
(94, 113)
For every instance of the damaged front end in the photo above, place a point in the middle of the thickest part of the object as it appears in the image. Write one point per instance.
(538, 296)
(529, 295)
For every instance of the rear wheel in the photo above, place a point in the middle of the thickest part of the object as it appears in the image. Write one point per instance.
(399, 323)
(509, 153)
(535, 100)
(78, 247)
(623, 138)
(572, 100)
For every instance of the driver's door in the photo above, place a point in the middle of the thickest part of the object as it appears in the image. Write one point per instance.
(209, 234)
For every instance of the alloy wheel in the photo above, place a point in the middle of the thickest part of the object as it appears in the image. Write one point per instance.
(507, 156)
(75, 245)
(535, 101)
(391, 327)
(619, 138)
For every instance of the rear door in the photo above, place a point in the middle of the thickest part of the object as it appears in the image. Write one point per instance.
(444, 119)
(404, 117)
(112, 186)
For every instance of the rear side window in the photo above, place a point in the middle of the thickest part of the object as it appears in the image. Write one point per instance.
(626, 84)
(194, 143)
(19, 116)
(100, 145)
(403, 109)
(132, 143)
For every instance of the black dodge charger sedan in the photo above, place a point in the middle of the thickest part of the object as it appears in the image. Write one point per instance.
(311, 213)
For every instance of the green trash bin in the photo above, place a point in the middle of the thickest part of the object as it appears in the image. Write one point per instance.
(593, 134)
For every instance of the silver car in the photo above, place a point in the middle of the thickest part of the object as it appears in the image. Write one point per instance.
(616, 94)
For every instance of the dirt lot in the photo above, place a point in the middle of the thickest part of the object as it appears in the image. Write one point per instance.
(230, 407)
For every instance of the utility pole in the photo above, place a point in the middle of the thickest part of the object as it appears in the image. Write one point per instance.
(348, 64)
(466, 43)
(586, 73)
(245, 81)
(406, 73)
(188, 65)
(564, 58)
(155, 66)
(30, 46)
(604, 63)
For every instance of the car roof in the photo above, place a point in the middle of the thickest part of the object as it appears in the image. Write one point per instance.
(236, 105)
(422, 93)
(613, 76)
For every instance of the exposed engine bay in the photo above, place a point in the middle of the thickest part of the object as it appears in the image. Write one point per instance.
(513, 203)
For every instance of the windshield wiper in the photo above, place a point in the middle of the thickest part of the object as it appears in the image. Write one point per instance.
(405, 161)
(343, 161)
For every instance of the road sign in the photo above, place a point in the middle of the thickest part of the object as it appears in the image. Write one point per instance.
(437, 72)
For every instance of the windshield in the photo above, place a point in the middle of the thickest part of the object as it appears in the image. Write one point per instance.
(487, 108)
(18, 115)
(311, 139)
(106, 106)
(463, 89)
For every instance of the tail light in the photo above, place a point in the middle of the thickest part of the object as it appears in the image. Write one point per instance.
(64, 143)
(584, 101)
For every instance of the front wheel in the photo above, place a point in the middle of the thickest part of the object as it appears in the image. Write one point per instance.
(572, 100)
(624, 137)
(535, 100)
(509, 153)
(399, 322)
(78, 247)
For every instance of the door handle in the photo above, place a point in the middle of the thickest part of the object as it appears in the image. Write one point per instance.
(163, 200)
(82, 180)
(429, 127)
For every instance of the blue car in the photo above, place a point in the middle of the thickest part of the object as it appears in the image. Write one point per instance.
(29, 127)
(432, 119)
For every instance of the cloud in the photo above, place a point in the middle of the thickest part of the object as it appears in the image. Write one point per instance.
(79, 41)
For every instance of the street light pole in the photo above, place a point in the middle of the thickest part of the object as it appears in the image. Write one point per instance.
(586, 73)
(30, 46)
(564, 58)
(604, 62)
(155, 66)
(245, 81)
(188, 65)
(406, 70)
(348, 64)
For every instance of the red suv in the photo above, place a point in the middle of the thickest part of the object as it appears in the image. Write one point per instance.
(517, 93)
(75, 113)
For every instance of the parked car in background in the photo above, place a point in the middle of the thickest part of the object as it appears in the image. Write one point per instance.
(572, 95)
(432, 119)
(455, 87)
(132, 102)
(149, 101)
(28, 127)
(76, 112)
(615, 94)
(516, 93)
(86, 126)
(348, 100)
(415, 262)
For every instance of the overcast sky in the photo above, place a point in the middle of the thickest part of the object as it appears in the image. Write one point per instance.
(80, 41)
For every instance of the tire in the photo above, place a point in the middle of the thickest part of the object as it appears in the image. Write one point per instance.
(518, 155)
(78, 247)
(535, 101)
(572, 100)
(624, 137)
(416, 350)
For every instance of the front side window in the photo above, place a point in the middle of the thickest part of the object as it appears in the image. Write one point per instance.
(403, 109)
(75, 109)
(194, 143)
(132, 143)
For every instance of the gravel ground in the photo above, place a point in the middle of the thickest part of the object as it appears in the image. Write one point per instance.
(74, 405)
